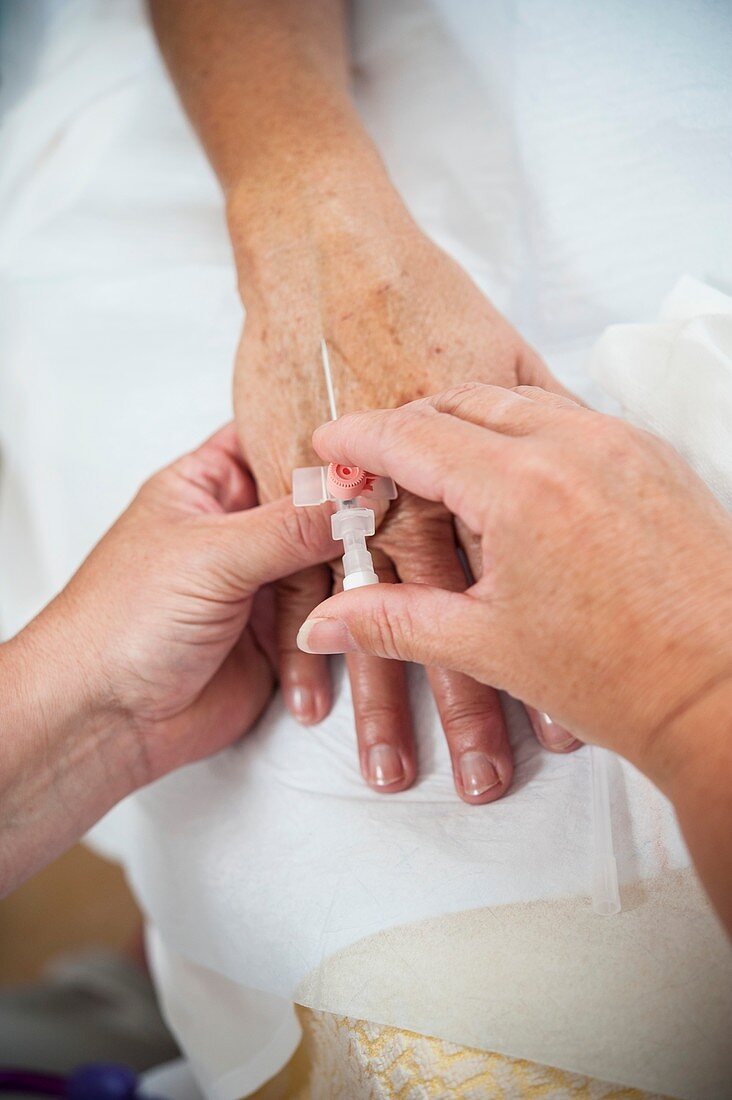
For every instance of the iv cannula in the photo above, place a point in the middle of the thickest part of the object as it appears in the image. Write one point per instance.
(328, 379)
(350, 523)
(605, 892)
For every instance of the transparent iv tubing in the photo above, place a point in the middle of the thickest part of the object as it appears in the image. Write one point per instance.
(605, 892)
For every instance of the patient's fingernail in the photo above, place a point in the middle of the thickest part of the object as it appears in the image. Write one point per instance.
(384, 765)
(554, 736)
(477, 773)
(301, 702)
(325, 636)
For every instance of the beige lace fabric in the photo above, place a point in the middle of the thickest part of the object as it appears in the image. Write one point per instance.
(345, 1059)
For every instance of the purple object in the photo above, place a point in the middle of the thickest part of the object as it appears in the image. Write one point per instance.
(34, 1084)
(102, 1082)
(92, 1082)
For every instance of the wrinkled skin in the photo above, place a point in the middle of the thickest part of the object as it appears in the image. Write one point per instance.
(153, 656)
(401, 320)
(617, 622)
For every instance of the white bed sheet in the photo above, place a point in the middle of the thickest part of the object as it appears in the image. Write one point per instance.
(119, 320)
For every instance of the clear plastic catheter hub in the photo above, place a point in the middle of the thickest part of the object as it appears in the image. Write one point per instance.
(349, 487)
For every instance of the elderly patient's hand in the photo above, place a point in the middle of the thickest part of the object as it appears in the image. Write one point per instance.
(401, 320)
(606, 595)
(160, 617)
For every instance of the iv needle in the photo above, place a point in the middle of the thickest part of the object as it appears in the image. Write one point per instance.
(328, 380)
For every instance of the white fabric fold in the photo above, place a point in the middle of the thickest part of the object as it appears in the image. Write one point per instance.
(271, 866)
(674, 378)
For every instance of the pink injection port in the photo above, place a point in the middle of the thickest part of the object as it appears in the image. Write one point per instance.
(348, 482)
(353, 521)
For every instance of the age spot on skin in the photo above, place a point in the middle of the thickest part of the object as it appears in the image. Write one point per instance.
(411, 394)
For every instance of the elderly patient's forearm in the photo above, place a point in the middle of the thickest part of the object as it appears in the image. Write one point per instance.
(265, 83)
(65, 757)
(262, 80)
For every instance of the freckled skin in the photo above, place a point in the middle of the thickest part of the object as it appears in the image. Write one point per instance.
(390, 342)
(324, 247)
(381, 341)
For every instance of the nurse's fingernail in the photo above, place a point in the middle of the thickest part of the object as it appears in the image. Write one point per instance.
(477, 773)
(384, 765)
(554, 736)
(325, 636)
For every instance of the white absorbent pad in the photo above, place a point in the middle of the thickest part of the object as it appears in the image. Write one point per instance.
(272, 867)
(675, 378)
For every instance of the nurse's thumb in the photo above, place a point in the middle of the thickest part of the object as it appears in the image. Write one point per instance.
(407, 622)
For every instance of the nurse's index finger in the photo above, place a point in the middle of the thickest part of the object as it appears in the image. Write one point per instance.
(432, 454)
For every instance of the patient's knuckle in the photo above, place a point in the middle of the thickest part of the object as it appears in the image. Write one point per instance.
(435, 564)
(303, 527)
(432, 534)
(383, 566)
(463, 716)
(427, 553)
(380, 715)
(300, 591)
(409, 520)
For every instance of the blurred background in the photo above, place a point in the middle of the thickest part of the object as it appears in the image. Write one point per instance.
(74, 984)
(80, 901)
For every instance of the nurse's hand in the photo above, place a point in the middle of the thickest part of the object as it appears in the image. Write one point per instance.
(401, 319)
(155, 654)
(606, 594)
